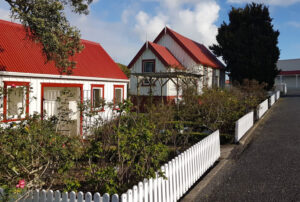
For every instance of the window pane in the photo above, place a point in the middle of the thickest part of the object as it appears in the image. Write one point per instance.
(97, 97)
(118, 95)
(15, 101)
(148, 66)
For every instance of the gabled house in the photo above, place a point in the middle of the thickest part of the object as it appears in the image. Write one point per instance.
(289, 74)
(172, 52)
(32, 86)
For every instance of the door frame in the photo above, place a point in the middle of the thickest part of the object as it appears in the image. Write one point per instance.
(62, 85)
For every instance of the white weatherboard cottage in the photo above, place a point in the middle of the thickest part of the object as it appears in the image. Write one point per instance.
(289, 74)
(32, 86)
(172, 52)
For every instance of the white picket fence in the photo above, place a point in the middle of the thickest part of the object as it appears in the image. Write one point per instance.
(243, 125)
(57, 196)
(262, 108)
(181, 173)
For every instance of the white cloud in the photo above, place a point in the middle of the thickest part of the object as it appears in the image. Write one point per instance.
(114, 37)
(148, 27)
(268, 2)
(192, 18)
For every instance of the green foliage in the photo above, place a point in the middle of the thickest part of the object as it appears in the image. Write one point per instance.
(33, 151)
(124, 151)
(220, 108)
(46, 23)
(248, 44)
(124, 69)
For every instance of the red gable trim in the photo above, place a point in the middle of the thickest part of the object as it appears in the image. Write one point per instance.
(289, 72)
(157, 54)
(212, 61)
(173, 62)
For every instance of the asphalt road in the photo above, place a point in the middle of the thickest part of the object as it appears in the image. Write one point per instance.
(269, 168)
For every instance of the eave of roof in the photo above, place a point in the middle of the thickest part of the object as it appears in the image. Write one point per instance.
(164, 55)
(198, 52)
(295, 72)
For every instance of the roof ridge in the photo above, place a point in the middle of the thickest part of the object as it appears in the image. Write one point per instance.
(21, 26)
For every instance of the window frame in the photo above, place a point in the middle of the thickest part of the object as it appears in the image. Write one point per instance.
(122, 94)
(154, 69)
(96, 86)
(15, 83)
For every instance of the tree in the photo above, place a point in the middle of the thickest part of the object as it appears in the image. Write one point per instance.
(46, 23)
(125, 69)
(248, 44)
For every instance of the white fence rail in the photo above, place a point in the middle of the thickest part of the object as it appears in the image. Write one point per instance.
(262, 108)
(282, 88)
(272, 100)
(277, 95)
(243, 125)
(181, 173)
(57, 196)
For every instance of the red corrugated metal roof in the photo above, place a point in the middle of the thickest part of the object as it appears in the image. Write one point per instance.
(197, 51)
(18, 54)
(165, 55)
(289, 72)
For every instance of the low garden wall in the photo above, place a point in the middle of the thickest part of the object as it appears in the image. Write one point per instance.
(247, 121)
(262, 108)
(272, 100)
(243, 125)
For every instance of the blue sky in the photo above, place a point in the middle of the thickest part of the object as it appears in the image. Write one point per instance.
(122, 26)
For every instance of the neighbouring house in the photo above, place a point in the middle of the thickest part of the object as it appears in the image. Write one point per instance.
(32, 86)
(289, 74)
(159, 66)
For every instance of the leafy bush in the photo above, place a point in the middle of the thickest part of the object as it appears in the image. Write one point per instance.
(124, 151)
(32, 151)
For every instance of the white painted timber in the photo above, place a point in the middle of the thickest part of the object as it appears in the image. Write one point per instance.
(180, 173)
(282, 87)
(262, 108)
(243, 125)
(57, 196)
(272, 100)
(277, 95)
(35, 95)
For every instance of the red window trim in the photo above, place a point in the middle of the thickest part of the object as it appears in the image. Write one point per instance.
(16, 83)
(43, 85)
(92, 95)
(148, 60)
(118, 86)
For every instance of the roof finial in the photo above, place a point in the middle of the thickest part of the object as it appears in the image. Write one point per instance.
(165, 29)
(146, 44)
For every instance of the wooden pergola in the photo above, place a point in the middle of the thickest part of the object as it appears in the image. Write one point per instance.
(163, 78)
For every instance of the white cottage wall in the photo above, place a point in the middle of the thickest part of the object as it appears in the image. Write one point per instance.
(35, 91)
(137, 68)
(167, 41)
